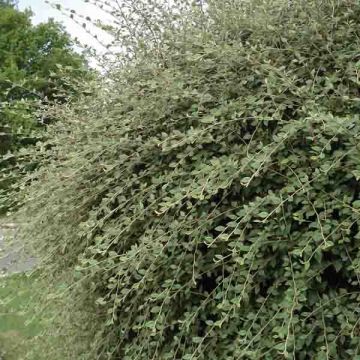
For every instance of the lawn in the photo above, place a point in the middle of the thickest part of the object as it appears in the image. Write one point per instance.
(17, 323)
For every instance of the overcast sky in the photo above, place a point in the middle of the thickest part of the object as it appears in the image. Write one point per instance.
(42, 12)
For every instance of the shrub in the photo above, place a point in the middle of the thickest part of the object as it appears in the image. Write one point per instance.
(205, 204)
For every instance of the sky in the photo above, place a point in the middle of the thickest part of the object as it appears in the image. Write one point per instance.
(43, 11)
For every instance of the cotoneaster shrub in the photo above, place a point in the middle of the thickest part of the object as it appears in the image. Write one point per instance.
(205, 204)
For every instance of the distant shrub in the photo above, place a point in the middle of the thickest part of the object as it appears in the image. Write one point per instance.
(205, 204)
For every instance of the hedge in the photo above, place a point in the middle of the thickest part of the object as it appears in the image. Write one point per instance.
(205, 204)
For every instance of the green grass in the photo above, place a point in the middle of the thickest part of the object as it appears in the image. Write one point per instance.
(17, 325)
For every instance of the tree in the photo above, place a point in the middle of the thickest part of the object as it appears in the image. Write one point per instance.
(35, 63)
(4, 3)
(38, 68)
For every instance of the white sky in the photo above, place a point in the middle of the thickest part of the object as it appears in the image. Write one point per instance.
(43, 11)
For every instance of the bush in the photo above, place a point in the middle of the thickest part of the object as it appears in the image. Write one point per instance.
(205, 204)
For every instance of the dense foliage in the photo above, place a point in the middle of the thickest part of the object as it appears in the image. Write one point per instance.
(38, 67)
(205, 204)
(32, 59)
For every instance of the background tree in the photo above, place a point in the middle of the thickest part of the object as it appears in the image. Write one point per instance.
(35, 65)
(38, 68)
(4, 3)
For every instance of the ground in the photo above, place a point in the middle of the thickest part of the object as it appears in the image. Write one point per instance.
(12, 256)
(17, 325)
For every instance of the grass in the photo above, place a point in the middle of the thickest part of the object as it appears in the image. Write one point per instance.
(17, 326)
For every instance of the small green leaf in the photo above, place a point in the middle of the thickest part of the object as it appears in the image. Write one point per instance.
(209, 119)
(263, 214)
(220, 228)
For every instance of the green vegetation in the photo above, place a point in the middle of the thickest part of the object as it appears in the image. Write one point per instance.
(17, 324)
(38, 67)
(205, 203)
(32, 59)
(4, 3)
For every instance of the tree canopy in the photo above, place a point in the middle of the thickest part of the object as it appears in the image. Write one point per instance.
(38, 68)
(4, 3)
(34, 62)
